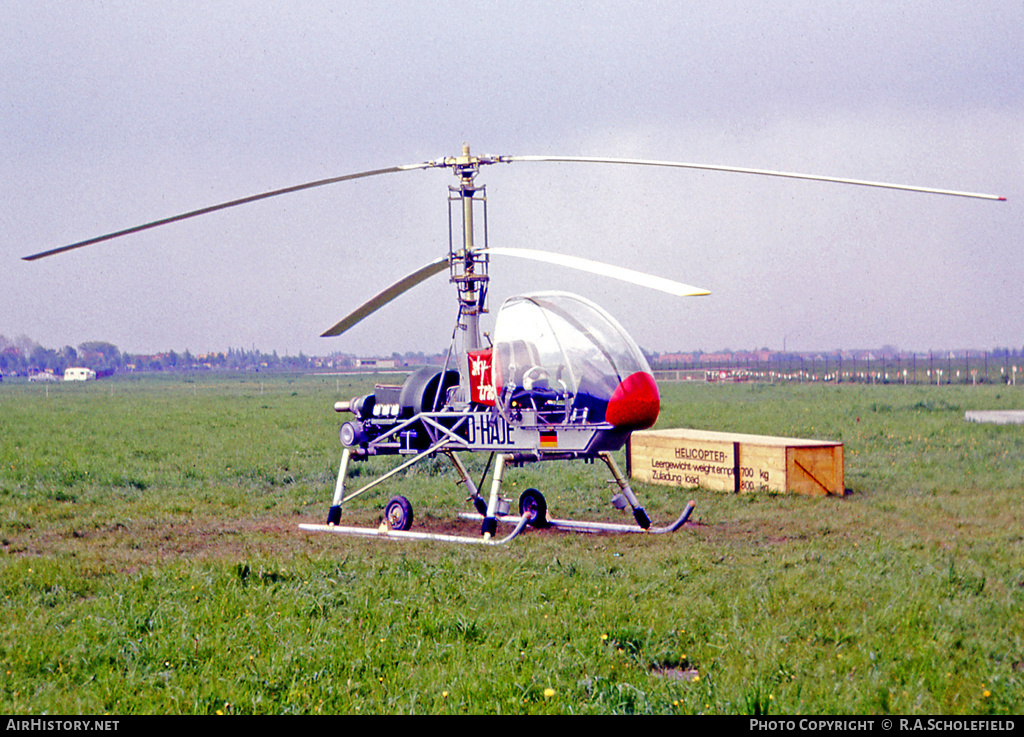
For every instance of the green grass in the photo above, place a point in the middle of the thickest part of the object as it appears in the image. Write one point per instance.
(152, 563)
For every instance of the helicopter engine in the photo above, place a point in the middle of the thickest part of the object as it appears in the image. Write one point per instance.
(390, 406)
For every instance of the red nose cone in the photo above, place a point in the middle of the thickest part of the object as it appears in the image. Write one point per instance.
(634, 403)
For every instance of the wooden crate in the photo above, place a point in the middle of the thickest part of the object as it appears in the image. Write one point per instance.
(736, 462)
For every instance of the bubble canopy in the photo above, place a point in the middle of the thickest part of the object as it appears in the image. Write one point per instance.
(566, 346)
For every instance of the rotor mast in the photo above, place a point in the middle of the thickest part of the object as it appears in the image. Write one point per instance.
(468, 264)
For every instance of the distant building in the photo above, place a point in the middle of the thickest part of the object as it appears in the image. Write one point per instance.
(79, 374)
(381, 363)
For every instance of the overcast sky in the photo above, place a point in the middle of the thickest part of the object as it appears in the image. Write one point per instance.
(114, 114)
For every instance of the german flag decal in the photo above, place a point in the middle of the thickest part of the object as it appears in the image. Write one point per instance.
(548, 439)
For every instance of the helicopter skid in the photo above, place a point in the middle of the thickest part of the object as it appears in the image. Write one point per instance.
(594, 527)
(385, 532)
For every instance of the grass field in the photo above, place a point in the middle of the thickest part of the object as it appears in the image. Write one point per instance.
(152, 564)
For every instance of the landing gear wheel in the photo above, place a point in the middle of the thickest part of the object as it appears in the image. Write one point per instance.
(533, 501)
(398, 513)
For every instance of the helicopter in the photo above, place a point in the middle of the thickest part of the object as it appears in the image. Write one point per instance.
(558, 379)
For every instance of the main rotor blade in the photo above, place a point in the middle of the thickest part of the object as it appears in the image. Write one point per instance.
(225, 205)
(662, 284)
(761, 172)
(395, 290)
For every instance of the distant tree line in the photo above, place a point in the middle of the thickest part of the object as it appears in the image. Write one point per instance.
(236, 359)
(23, 356)
(885, 365)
